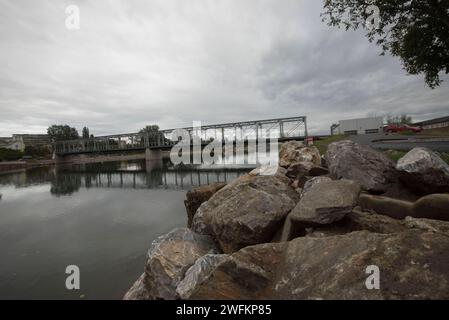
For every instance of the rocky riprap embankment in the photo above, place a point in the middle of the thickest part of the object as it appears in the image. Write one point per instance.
(310, 230)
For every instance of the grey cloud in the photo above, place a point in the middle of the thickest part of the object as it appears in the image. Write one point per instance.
(170, 62)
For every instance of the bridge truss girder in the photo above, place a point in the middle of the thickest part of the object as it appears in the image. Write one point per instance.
(281, 128)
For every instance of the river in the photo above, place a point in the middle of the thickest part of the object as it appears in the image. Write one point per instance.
(99, 217)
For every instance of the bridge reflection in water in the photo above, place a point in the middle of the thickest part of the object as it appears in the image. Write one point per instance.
(167, 179)
(66, 180)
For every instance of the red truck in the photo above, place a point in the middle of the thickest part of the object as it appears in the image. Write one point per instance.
(394, 128)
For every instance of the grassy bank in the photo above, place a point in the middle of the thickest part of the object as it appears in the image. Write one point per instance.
(323, 143)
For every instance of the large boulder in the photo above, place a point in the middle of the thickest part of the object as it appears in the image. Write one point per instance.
(197, 196)
(358, 220)
(433, 206)
(372, 169)
(247, 211)
(268, 170)
(427, 224)
(394, 208)
(312, 182)
(294, 151)
(138, 291)
(299, 169)
(198, 273)
(325, 203)
(332, 268)
(243, 275)
(304, 168)
(169, 257)
(423, 171)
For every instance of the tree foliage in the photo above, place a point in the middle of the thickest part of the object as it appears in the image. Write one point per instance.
(85, 133)
(38, 151)
(416, 31)
(10, 155)
(62, 132)
(402, 119)
(153, 133)
(150, 129)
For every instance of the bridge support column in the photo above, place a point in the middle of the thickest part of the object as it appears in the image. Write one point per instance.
(59, 159)
(153, 159)
(153, 154)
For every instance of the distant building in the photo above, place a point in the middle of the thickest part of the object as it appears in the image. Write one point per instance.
(20, 141)
(10, 143)
(358, 126)
(434, 123)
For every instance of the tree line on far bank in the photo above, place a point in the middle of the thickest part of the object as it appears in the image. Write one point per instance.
(65, 132)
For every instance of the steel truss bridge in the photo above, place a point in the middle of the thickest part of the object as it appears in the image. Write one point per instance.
(293, 128)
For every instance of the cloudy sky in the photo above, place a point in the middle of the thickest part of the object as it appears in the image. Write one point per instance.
(169, 62)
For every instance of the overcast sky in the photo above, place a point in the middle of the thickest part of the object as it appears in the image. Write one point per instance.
(139, 62)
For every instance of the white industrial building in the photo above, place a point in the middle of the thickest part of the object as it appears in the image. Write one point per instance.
(360, 126)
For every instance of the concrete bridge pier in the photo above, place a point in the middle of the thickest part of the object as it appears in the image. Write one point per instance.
(153, 159)
(59, 159)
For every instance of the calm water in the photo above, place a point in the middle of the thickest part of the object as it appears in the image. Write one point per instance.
(100, 217)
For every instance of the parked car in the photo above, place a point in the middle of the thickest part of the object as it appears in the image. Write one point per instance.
(394, 128)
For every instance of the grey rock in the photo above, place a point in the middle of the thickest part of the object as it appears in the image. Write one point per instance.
(301, 169)
(268, 170)
(170, 256)
(326, 202)
(198, 274)
(138, 291)
(198, 224)
(372, 169)
(312, 182)
(318, 171)
(427, 224)
(433, 206)
(423, 171)
(334, 268)
(197, 196)
(397, 209)
(249, 210)
(240, 276)
(294, 151)
(358, 221)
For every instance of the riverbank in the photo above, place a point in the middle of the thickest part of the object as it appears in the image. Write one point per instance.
(350, 225)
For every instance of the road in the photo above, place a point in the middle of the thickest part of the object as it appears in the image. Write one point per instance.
(400, 142)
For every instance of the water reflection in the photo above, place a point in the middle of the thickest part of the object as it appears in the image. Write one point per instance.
(66, 180)
(100, 217)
